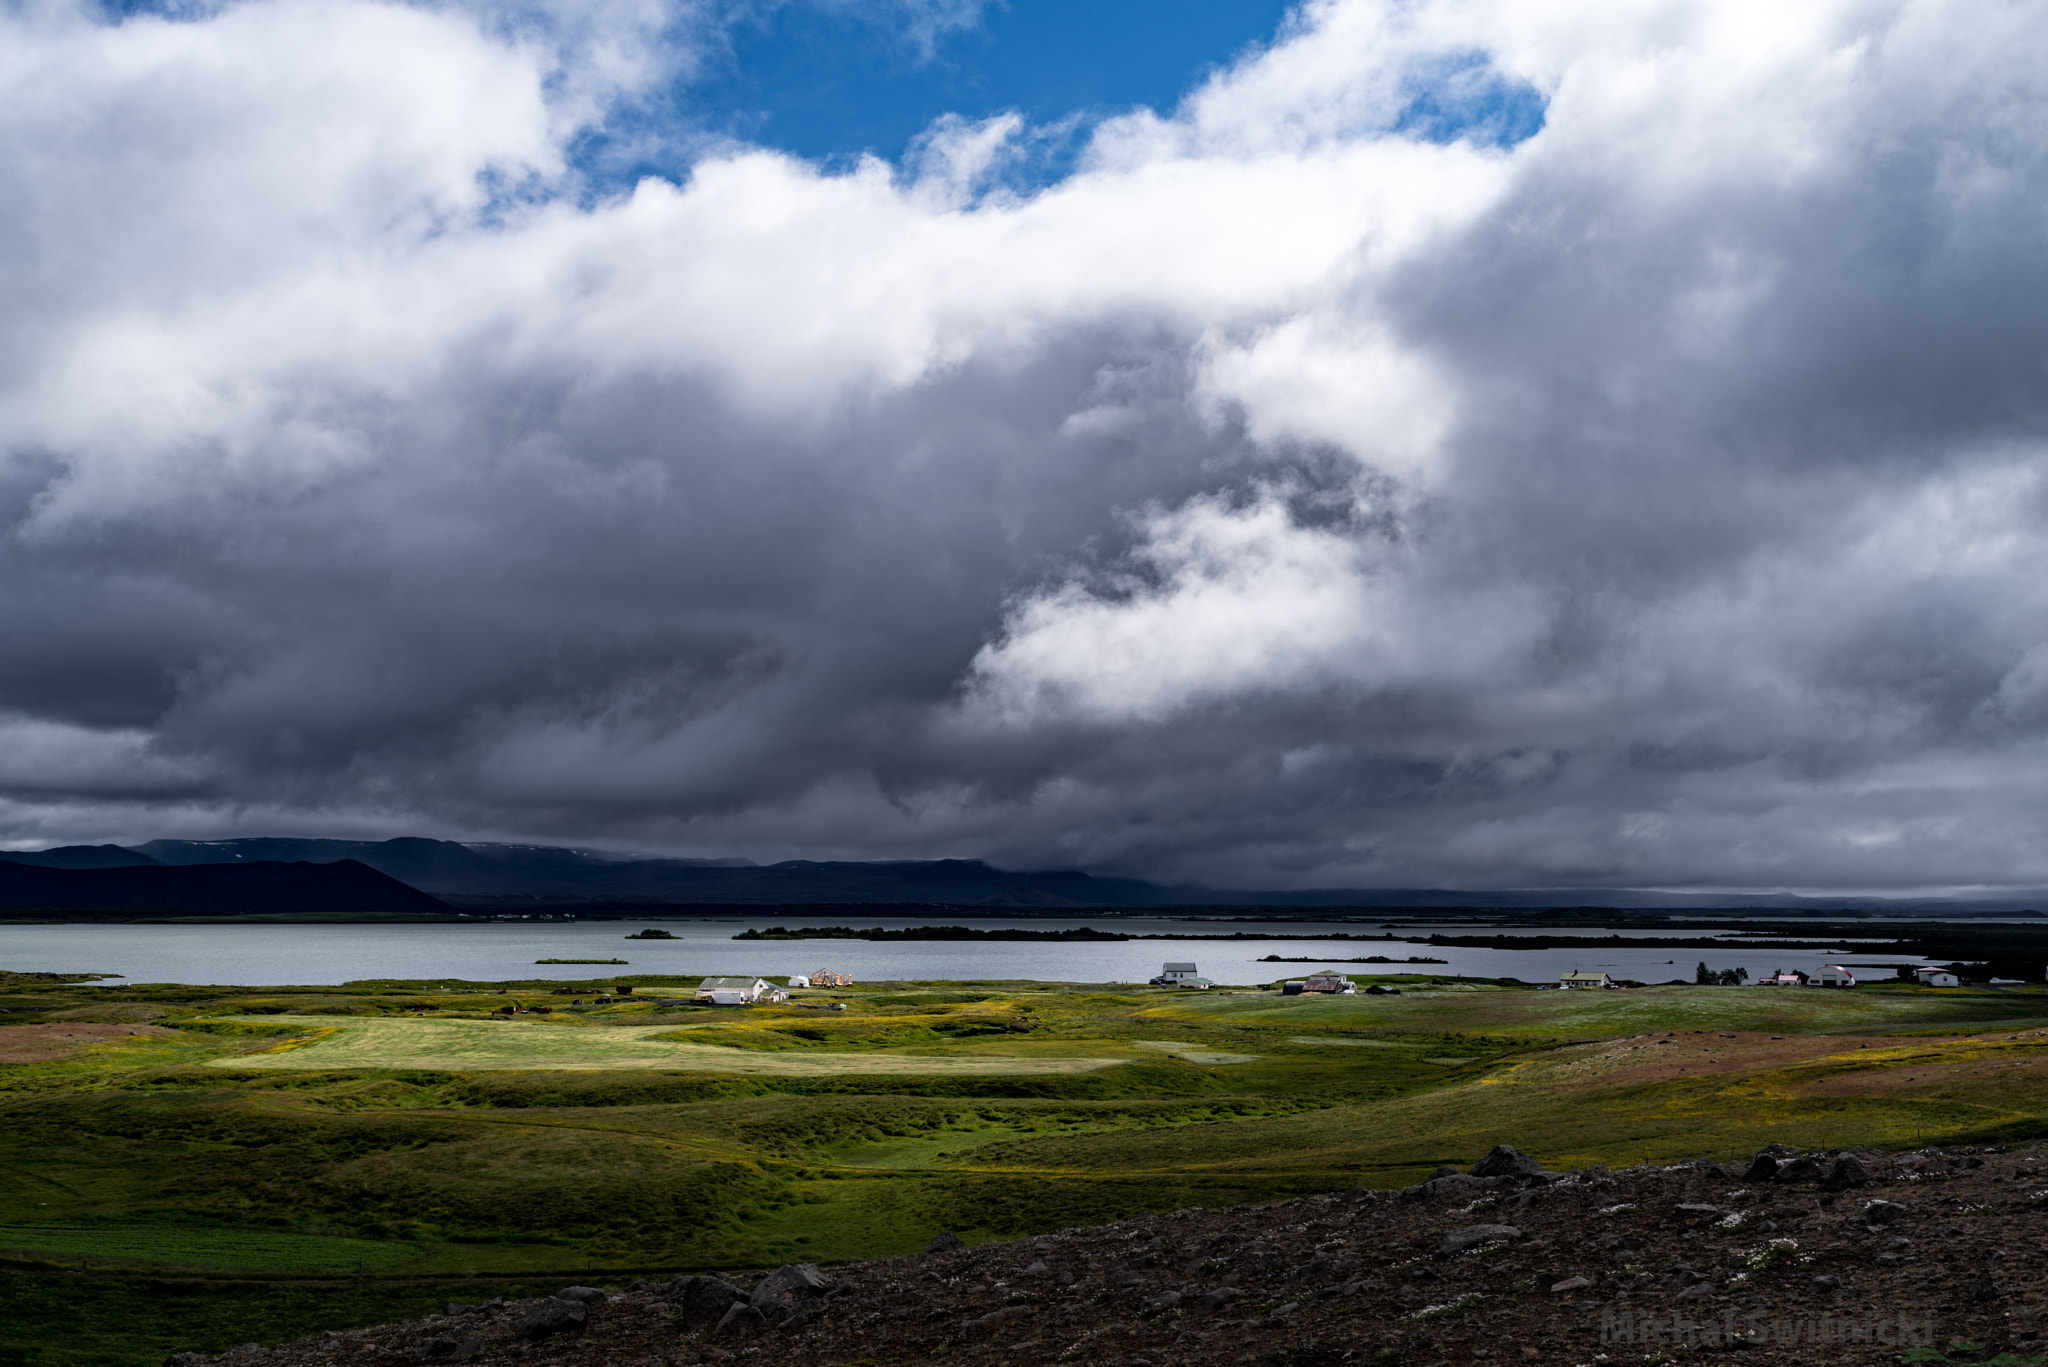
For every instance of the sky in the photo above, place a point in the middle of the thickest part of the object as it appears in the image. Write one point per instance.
(1446, 443)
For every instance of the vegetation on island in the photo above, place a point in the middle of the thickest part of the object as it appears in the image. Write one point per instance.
(366, 1150)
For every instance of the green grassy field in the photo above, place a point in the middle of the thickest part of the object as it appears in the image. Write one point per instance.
(307, 1131)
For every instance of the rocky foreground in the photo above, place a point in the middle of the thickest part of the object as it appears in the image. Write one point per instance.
(1801, 1258)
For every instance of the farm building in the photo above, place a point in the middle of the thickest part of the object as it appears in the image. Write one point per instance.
(738, 991)
(799, 980)
(1578, 979)
(825, 977)
(1329, 980)
(1832, 975)
(1783, 979)
(1934, 975)
(1180, 975)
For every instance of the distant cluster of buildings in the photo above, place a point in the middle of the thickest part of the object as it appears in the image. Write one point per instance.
(761, 992)
(1830, 975)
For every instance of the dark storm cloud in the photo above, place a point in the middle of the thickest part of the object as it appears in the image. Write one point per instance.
(1280, 500)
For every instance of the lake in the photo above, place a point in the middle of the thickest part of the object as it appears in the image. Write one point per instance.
(495, 950)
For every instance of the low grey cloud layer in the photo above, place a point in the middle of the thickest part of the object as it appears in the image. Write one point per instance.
(1280, 500)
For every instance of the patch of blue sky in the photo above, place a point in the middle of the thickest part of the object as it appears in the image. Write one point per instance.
(1465, 97)
(832, 81)
(835, 80)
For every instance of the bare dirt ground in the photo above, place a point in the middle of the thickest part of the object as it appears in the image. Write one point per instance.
(50, 1043)
(1860, 1257)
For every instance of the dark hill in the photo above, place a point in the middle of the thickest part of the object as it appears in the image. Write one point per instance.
(81, 857)
(258, 887)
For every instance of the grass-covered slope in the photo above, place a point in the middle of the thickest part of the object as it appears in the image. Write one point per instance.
(312, 1131)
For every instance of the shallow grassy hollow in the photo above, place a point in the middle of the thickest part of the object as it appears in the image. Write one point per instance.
(340, 1143)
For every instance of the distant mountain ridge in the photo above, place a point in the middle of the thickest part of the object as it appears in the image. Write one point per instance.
(342, 888)
(495, 875)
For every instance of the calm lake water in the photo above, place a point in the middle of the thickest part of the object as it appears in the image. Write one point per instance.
(489, 951)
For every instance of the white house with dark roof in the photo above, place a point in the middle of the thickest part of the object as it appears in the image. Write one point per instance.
(738, 992)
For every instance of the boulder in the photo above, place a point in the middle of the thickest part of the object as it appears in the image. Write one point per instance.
(1038, 1268)
(1472, 1236)
(1220, 1297)
(1161, 1303)
(788, 1290)
(1883, 1213)
(1762, 1168)
(469, 1349)
(946, 1242)
(740, 1321)
(1800, 1169)
(1846, 1172)
(1444, 1171)
(1507, 1161)
(551, 1317)
(1699, 1291)
(587, 1295)
(433, 1350)
(1569, 1284)
(704, 1300)
(1457, 1184)
(457, 1309)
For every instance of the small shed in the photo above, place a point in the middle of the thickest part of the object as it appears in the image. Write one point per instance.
(1293, 987)
(1584, 980)
(1934, 975)
(799, 980)
(1832, 975)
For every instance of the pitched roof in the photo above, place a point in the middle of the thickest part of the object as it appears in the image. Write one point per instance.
(727, 984)
(1178, 968)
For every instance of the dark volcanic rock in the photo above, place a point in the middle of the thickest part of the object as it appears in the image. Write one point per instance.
(1506, 1161)
(947, 1242)
(741, 1321)
(789, 1290)
(1472, 1236)
(587, 1295)
(1846, 1172)
(704, 1300)
(551, 1317)
(1762, 1168)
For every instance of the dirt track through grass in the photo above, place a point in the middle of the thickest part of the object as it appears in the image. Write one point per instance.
(483, 1045)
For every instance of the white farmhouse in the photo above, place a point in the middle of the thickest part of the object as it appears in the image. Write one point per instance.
(739, 992)
(1583, 980)
(1934, 975)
